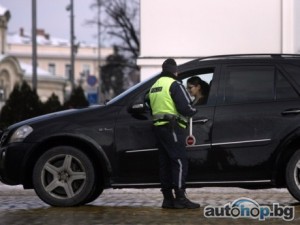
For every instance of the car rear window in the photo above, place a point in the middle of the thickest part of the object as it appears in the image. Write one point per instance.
(258, 83)
(247, 84)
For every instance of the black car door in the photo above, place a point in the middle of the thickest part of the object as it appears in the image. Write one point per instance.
(135, 142)
(202, 124)
(249, 121)
(136, 145)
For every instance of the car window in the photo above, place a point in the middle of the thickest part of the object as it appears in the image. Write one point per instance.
(131, 89)
(294, 72)
(198, 86)
(284, 89)
(246, 84)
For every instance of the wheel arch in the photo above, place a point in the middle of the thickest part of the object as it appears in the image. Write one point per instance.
(82, 142)
(285, 151)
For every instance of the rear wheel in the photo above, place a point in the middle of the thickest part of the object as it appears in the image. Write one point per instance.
(64, 176)
(293, 175)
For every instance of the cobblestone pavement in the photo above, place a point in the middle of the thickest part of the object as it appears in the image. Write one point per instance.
(136, 206)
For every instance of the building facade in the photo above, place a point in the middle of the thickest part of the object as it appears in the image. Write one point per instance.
(188, 29)
(53, 60)
(54, 56)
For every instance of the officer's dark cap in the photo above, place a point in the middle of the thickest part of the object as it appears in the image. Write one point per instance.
(169, 65)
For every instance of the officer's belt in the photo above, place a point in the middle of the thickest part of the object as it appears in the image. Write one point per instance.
(168, 118)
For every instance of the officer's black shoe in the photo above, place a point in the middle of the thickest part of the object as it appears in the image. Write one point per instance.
(168, 202)
(182, 202)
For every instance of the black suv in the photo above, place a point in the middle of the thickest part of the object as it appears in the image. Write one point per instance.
(247, 135)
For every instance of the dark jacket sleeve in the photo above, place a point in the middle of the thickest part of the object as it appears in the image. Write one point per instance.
(182, 99)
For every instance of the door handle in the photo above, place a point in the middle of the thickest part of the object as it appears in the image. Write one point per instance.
(291, 112)
(201, 121)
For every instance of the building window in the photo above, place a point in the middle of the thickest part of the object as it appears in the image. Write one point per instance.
(51, 68)
(67, 71)
(86, 69)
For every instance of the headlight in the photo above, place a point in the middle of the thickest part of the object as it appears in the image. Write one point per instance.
(20, 134)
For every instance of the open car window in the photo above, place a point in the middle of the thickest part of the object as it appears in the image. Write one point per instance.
(197, 84)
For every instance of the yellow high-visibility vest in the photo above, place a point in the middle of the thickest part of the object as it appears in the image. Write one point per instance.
(162, 103)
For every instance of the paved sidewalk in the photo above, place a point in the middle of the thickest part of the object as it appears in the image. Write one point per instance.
(152, 197)
(204, 196)
(136, 206)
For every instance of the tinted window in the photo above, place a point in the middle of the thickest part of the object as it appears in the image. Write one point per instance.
(283, 88)
(246, 84)
(294, 72)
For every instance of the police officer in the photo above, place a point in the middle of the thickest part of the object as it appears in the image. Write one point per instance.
(171, 105)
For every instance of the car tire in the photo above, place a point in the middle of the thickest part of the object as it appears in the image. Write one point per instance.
(293, 175)
(64, 176)
(96, 192)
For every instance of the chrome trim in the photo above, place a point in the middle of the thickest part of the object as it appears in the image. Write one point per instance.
(105, 129)
(156, 149)
(137, 184)
(291, 111)
(142, 150)
(200, 121)
(195, 146)
(202, 145)
(230, 182)
(240, 142)
(208, 182)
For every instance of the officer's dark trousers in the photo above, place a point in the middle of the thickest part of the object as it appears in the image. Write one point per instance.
(172, 156)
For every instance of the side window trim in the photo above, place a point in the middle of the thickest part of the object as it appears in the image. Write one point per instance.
(291, 80)
(284, 88)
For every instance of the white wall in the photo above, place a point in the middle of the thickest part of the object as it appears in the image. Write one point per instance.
(195, 28)
(297, 26)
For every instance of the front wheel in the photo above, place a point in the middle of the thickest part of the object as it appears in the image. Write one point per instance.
(293, 175)
(64, 176)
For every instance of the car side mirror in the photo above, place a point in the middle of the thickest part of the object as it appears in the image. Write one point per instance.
(138, 108)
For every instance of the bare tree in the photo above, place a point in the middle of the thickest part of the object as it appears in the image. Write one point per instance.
(119, 21)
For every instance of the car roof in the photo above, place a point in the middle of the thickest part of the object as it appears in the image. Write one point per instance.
(235, 57)
(249, 56)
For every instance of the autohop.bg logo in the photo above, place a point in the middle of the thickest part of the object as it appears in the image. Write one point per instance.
(248, 208)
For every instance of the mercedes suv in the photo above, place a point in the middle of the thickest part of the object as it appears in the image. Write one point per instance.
(246, 135)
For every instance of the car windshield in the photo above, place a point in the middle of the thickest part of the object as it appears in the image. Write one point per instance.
(120, 96)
